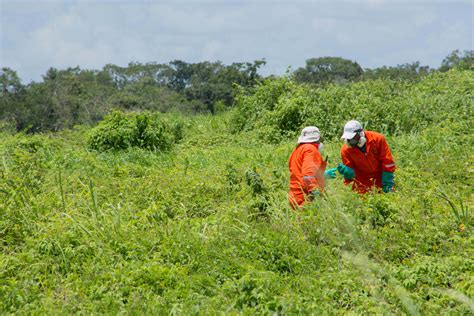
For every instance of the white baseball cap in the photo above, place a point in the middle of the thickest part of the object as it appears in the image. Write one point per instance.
(309, 134)
(351, 129)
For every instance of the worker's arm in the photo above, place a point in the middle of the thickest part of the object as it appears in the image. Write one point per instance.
(388, 166)
(347, 168)
(309, 168)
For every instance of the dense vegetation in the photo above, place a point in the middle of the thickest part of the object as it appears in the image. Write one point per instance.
(204, 226)
(280, 108)
(74, 96)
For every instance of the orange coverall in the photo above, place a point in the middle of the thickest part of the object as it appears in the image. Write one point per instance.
(368, 166)
(306, 172)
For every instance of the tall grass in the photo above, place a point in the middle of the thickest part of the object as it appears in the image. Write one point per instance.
(183, 232)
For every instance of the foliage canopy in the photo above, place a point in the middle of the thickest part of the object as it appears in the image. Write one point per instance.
(280, 108)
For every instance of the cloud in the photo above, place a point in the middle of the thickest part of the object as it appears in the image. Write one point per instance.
(39, 35)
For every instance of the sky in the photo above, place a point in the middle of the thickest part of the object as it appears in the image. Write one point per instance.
(36, 35)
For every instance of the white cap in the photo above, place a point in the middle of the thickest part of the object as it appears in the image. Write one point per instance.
(309, 134)
(351, 129)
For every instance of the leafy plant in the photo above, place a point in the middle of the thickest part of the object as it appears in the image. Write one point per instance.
(279, 108)
(461, 213)
(144, 130)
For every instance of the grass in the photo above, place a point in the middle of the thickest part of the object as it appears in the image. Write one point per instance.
(181, 232)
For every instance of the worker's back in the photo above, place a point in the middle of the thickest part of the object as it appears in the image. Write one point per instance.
(306, 169)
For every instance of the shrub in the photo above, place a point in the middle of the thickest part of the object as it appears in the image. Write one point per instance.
(144, 130)
(253, 108)
(280, 108)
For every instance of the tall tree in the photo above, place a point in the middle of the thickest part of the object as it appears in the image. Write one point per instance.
(328, 69)
(458, 60)
(408, 71)
(10, 95)
(9, 81)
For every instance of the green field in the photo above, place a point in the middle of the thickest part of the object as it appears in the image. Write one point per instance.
(204, 227)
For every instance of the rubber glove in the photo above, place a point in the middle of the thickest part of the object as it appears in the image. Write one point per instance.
(347, 172)
(388, 181)
(330, 173)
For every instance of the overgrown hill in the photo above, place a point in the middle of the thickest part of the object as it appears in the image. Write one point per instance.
(204, 226)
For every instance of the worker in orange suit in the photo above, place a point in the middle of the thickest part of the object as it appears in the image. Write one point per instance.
(307, 168)
(366, 160)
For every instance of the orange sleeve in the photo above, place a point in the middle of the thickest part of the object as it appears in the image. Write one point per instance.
(321, 181)
(388, 164)
(346, 161)
(309, 167)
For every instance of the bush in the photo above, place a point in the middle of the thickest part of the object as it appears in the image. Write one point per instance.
(144, 130)
(280, 108)
(252, 108)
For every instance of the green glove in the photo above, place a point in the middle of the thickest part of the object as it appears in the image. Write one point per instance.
(347, 172)
(388, 181)
(330, 173)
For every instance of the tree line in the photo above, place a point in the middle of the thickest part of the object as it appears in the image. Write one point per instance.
(73, 96)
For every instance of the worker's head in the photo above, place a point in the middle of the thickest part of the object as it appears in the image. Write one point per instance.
(309, 134)
(354, 134)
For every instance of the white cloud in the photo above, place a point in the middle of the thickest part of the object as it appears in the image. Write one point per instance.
(39, 35)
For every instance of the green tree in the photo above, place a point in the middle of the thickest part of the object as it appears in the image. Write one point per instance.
(73, 96)
(179, 74)
(9, 81)
(408, 71)
(458, 60)
(328, 69)
(123, 76)
(11, 91)
(63, 99)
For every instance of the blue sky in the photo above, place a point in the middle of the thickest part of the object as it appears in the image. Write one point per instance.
(36, 35)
